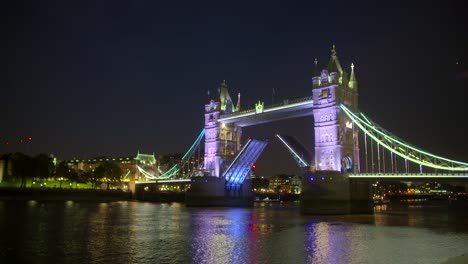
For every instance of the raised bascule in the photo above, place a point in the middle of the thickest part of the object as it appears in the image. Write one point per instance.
(333, 182)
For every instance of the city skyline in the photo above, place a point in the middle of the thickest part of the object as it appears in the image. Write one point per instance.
(112, 80)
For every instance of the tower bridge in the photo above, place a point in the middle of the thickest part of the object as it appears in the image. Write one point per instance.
(335, 180)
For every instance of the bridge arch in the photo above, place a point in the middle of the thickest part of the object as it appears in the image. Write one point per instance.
(347, 164)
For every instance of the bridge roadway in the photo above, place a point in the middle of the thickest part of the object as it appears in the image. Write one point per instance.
(284, 110)
(369, 177)
(440, 177)
(164, 181)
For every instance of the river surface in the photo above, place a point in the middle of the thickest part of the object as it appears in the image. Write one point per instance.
(140, 232)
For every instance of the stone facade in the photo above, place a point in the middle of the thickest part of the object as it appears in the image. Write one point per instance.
(336, 139)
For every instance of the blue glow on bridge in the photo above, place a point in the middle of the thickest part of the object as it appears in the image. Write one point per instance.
(240, 167)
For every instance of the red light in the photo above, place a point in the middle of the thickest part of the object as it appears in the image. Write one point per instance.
(21, 141)
(30, 138)
(254, 166)
(7, 143)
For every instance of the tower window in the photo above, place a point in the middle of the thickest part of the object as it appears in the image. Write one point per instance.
(325, 93)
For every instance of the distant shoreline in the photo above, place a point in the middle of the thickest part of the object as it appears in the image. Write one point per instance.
(57, 194)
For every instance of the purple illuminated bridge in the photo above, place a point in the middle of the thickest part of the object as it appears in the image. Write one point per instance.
(342, 164)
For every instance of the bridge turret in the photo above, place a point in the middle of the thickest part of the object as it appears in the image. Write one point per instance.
(324, 80)
(334, 77)
(352, 80)
(211, 159)
(316, 75)
(352, 92)
(226, 104)
(344, 78)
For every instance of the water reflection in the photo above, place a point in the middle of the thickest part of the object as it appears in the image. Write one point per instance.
(327, 242)
(107, 230)
(219, 235)
(264, 234)
(133, 232)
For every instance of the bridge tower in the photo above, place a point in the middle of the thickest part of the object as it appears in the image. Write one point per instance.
(336, 140)
(222, 141)
(328, 189)
(222, 144)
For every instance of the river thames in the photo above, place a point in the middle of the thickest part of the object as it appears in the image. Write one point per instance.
(140, 232)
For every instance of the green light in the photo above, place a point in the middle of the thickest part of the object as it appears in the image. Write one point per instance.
(176, 168)
(367, 120)
(416, 176)
(202, 133)
(413, 148)
(363, 124)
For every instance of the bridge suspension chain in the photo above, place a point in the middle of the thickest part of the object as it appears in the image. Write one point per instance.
(401, 148)
(172, 172)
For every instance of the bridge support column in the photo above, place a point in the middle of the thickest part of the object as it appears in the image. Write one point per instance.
(211, 191)
(131, 186)
(332, 192)
(361, 197)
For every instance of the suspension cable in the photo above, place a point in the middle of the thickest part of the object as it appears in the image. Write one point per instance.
(401, 148)
(365, 154)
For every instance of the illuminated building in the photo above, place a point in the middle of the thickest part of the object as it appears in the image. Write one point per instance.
(286, 183)
(128, 165)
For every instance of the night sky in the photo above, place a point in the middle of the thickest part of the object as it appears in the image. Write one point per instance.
(92, 78)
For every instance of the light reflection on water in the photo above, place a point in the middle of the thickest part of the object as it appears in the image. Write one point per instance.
(134, 232)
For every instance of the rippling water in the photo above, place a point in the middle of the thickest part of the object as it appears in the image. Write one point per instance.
(137, 232)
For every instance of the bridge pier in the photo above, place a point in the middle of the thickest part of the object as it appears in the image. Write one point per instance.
(361, 197)
(332, 192)
(132, 186)
(211, 191)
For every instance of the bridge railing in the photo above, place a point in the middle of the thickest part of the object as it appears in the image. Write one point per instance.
(432, 174)
(284, 103)
(298, 100)
(238, 113)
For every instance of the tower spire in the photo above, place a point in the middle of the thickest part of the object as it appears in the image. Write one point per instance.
(238, 103)
(333, 50)
(352, 80)
(316, 69)
(208, 96)
(334, 64)
(224, 96)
